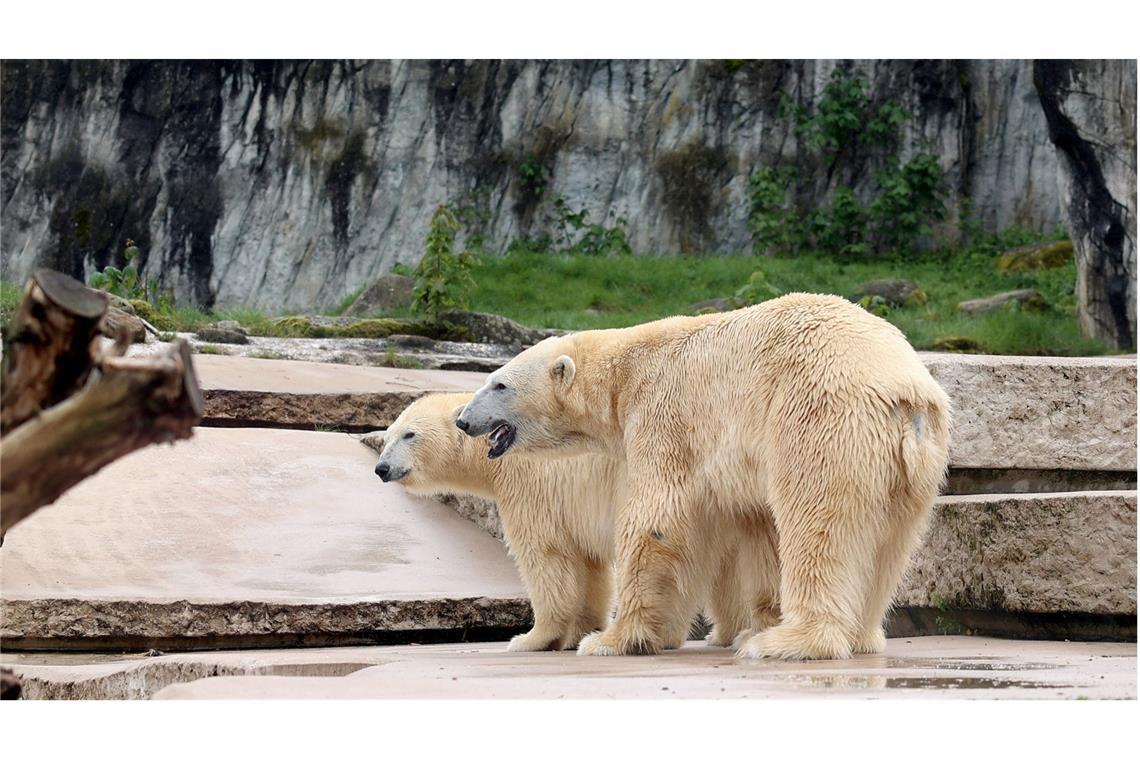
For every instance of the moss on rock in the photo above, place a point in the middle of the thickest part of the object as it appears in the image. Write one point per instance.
(304, 327)
(957, 344)
(1028, 258)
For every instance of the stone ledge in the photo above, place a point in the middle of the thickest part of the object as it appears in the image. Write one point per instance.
(1040, 412)
(1068, 552)
(110, 623)
(345, 412)
(1024, 553)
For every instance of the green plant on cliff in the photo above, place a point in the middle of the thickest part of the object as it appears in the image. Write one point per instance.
(443, 277)
(122, 281)
(848, 130)
(148, 300)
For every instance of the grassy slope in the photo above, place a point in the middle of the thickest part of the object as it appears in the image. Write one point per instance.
(583, 292)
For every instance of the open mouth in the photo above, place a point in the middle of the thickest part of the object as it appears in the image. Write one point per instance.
(500, 439)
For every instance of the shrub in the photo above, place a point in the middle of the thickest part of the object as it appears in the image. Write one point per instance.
(847, 128)
(443, 277)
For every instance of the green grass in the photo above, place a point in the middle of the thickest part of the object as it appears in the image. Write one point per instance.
(345, 302)
(586, 292)
(10, 297)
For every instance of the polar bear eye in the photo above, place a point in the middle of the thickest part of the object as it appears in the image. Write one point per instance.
(409, 435)
(500, 387)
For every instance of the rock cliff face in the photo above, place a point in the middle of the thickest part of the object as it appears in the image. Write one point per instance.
(1091, 110)
(287, 185)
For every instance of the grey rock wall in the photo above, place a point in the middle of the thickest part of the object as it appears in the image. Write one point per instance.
(1091, 110)
(287, 185)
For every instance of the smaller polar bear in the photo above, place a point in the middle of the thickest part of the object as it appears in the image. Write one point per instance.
(557, 516)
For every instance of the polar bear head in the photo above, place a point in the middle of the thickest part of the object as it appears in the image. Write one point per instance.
(527, 404)
(422, 448)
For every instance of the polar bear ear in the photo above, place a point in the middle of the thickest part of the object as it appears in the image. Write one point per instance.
(562, 371)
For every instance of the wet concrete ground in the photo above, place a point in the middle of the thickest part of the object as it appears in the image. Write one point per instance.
(938, 667)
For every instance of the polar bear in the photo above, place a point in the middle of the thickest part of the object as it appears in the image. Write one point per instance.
(557, 517)
(805, 406)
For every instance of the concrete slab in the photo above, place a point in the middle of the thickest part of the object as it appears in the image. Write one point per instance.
(249, 532)
(1028, 553)
(926, 667)
(1042, 553)
(1040, 412)
(244, 392)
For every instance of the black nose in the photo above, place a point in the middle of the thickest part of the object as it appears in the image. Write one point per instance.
(461, 423)
(382, 470)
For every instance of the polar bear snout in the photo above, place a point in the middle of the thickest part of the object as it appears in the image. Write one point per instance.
(390, 474)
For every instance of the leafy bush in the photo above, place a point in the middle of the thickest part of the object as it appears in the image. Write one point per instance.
(848, 127)
(910, 197)
(124, 282)
(774, 222)
(443, 277)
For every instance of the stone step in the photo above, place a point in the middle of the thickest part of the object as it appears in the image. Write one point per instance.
(241, 535)
(933, 667)
(259, 537)
(1028, 553)
(1027, 565)
(245, 392)
(1037, 412)
(1016, 413)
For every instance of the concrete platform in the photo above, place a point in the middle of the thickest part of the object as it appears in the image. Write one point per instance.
(249, 533)
(919, 668)
(245, 392)
(923, 667)
(258, 537)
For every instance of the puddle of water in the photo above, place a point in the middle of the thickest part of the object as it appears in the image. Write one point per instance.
(918, 682)
(932, 663)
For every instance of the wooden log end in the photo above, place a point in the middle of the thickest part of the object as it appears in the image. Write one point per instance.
(70, 294)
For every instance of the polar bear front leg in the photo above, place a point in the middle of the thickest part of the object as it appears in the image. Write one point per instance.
(555, 580)
(652, 555)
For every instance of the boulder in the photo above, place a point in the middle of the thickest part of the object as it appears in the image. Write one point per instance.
(1031, 257)
(1028, 299)
(118, 321)
(390, 292)
(895, 291)
(957, 344)
(232, 325)
(216, 334)
(492, 328)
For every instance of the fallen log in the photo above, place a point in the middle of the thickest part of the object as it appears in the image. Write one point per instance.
(133, 403)
(70, 408)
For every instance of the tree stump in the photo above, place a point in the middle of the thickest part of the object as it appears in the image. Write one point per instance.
(68, 407)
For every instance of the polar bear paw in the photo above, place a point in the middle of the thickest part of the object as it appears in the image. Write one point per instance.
(595, 645)
(872, 641)
(611, 644)
(719, 637)
(535, 641)
(742, 638)
(800, 641)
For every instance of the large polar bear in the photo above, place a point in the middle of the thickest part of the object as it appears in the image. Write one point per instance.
(557, 517)
(805, 405)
